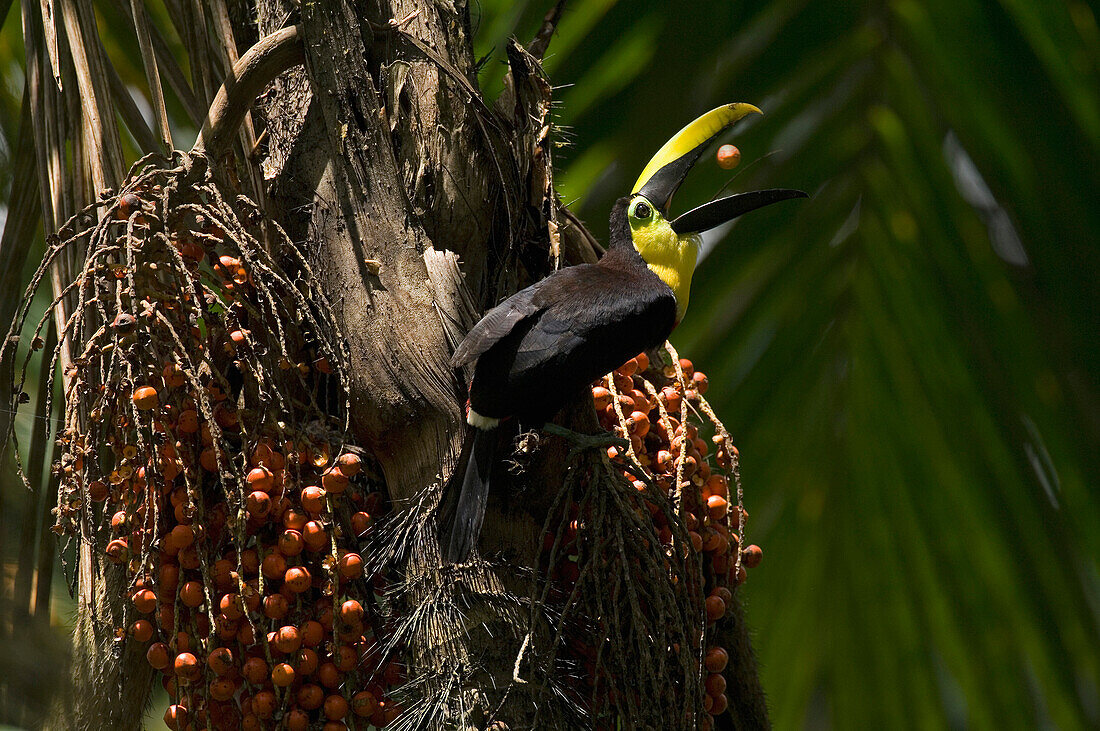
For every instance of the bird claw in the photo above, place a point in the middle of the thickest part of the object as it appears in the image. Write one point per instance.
(524, 448)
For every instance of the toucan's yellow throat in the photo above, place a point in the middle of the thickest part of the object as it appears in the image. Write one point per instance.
(669, 255)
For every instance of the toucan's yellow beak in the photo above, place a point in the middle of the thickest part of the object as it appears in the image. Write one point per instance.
(668, 168)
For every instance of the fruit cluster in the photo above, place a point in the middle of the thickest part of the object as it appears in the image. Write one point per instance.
(280, 632)
(660, 411)
(198, 456)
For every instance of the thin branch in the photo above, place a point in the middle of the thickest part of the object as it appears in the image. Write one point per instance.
(43, 118)
(537, 46)
(105, 157)
(128, 110)
(227, 46)
(24, 213)
(32, 518)
(172, 70)
(195, 38)
(576, 232)
(472, 94)
(46, 544)
(271, 56)
(152, 73)
(49, 30)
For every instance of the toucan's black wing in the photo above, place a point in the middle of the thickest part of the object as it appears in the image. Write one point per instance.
(497, 323)
(596, 321)
(584, 322)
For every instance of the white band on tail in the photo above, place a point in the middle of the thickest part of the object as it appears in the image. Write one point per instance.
(481, 422)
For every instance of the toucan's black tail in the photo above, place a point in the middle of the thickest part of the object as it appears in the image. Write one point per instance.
(470, 511)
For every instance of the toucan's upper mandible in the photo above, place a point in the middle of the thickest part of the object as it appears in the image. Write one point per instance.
(668, 168)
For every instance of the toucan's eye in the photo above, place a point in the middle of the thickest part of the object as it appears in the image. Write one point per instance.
(642, 211)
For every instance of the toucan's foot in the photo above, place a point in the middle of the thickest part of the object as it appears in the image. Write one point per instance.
(599, 441)
(524, 448)
(586, 441)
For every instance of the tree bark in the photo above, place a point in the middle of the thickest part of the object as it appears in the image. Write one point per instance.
(402, 169)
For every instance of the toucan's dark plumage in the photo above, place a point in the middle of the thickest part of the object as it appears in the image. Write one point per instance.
(545, 344)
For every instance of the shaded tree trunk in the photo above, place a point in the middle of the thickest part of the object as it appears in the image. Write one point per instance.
(395, 160)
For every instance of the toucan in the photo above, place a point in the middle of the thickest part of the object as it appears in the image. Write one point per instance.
(542, 346)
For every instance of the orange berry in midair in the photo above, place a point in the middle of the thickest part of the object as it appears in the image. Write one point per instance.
(729, 157)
